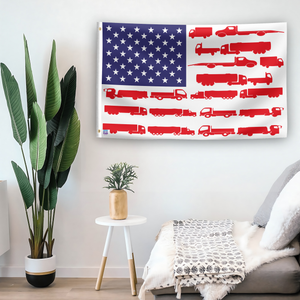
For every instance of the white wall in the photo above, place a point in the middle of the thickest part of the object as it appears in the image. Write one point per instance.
(177, 179)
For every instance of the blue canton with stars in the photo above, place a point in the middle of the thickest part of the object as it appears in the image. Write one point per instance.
(144, 55)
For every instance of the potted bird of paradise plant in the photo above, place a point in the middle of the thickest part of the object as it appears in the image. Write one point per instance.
(53, 144)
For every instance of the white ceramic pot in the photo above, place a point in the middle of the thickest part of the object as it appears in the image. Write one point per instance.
(40, 272)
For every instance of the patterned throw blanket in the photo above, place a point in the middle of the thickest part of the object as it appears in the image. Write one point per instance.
(205, 252)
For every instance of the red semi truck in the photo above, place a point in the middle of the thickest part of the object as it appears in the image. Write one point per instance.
(207, 130)
(176, 94)
(214, 94)
(130, 128)
(208, 112)
(230, 79)
(178, 112)
(275, 111)
(271, 61)
(237, 48)
(160, 130)
(200, 50)
(133, 110)
(112, 94)
(267, 79)
(238, 61)
(200, 32)
(253, 93)
(233, 30)
(274, 129)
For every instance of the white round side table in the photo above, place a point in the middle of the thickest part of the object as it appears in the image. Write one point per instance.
(130, 221)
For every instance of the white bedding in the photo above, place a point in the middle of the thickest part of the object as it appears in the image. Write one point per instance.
(159, 270)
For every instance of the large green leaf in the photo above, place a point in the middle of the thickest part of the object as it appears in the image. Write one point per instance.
(30, 87)
(62, 178)
(38, 138)
(53, 94)
(68, 91)
(66, 151)
(50, 194)
(24, 185)
(13, 99)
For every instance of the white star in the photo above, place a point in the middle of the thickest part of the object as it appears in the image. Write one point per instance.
(157, 73)
(165, 30)
(122, 78)
(157, 48)
(136, 54)
(150, 54)
(150, 80)
(108, 28)
(151, 67)
(129, 60)
(122, 28)
(172, 74)
(165, 55)
(144, 35)
(151, 29)
(158, 36)
(136, 42)
(158, 61)
(179, 30)
(136, 67)
(116, 34)
(179, 43)
(129, 35)
(129, 48)
(122, 53)
(165, 43)
(116, 47)
(151, 42)
(165, 80)
(179, 80)
(136, 29)
(108, 66)
(144, 48)
(144, 60)
(115, 72)
(172, 49)
(122, 66)
(136, 79)
(116, 59)
(165, 68)
(129, 72)
(108, 53)
(172, 61)
(144, 73)
(123, 41)
(108, 41)
(179, 55)
(108, 78)
(172, 36)
(178, 68)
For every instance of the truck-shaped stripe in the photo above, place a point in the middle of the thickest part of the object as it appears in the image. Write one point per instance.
(275, 111)
(112, 94)
(200, 32)
(271, 61)
(230, 79)
(253, 93)
(207, 130)
(237, 48)
(267, 79)
(176, 130)
(233, 30)
(177, 94)
(132, 110)
(177, 112)
(130, 128)
(214, 94)
(274, 129)
(208, 112)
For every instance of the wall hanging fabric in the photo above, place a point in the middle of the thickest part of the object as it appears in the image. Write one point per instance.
(192, 81)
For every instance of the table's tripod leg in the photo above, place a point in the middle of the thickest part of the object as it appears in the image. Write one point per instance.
(130, 260)
(104, 258)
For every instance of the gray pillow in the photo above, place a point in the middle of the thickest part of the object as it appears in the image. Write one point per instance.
(263, 214)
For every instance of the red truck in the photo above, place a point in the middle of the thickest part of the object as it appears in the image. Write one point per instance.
(130, 128)
(200, 50)
(207, 130)
(233, 30)
(214, 94)
(230, 79)
(275, 111)
(271, 61)
(160, 130)
(267, 79)
(133, 110)
(237, 48)
(111, 93)
(176, 94)
(208, 112)
(253, 93)
(200, 32)
(238, 61)
(274, 129)
(178, 112)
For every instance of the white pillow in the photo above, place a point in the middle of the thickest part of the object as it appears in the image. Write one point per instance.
(284, 223)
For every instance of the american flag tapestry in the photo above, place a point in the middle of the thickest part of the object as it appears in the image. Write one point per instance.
(195, 82)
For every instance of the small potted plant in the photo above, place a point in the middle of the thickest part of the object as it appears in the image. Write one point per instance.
(122, 175)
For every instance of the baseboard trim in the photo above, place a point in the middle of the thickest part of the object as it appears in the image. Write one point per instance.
(74, 272)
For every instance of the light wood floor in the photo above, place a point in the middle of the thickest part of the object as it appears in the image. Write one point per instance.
(70, 289)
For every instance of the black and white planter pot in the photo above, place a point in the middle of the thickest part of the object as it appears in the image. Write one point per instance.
(40, 272)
